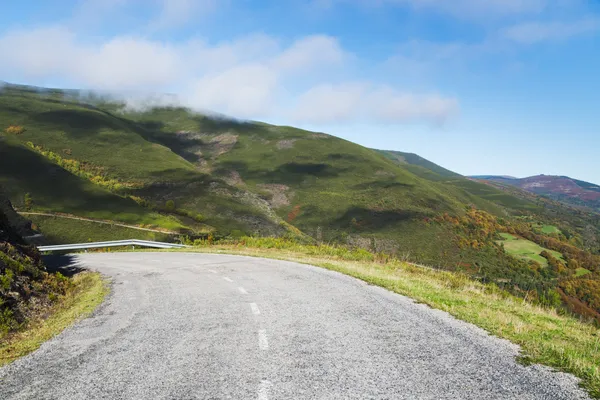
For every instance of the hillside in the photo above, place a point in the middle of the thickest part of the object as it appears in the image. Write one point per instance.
(561, 188)
(417, 164)
(207, 177)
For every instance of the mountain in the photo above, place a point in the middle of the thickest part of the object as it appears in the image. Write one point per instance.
(561, 188)
(173, 169)
(90, 163)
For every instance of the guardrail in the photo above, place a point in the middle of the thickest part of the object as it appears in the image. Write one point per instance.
(114, 243)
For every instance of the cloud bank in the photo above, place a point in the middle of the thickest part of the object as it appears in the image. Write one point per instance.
(253, 77)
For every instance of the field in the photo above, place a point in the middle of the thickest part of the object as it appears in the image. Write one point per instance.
(582, 272)
(550, 229)
(526, 249)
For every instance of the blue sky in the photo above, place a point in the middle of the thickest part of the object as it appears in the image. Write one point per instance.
(478, 86)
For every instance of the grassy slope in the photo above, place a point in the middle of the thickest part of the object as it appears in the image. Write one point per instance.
(526, 249)
(123, 149)
(59, 230)
(55, 189)
(545, 336)
(416, 160)
(333, 188)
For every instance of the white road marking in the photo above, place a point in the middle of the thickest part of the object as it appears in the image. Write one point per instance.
(228, 279)
(212, 271)
(263, 343)
(242, 290)
(254, 309)
(263, 390)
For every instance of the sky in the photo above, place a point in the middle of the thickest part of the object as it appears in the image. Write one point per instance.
(507, 87)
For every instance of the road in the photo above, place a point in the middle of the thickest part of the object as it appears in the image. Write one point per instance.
(199, 326)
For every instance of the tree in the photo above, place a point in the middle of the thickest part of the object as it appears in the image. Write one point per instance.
(28, 202)
(170, 205)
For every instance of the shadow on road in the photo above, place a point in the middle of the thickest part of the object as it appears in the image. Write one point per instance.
(66, 264)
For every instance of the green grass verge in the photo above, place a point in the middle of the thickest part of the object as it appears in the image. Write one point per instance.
(526, 249)
(89, 291)
(546, 336)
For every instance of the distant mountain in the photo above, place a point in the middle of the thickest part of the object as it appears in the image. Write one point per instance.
(562, 188)
(493, 177)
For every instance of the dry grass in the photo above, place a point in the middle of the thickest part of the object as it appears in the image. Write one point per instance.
(89, 291)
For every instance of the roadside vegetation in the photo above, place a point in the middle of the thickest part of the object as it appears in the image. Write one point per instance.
(36, 303)
(550, 336)
(84, 293)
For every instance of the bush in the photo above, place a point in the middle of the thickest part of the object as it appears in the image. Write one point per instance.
(28, 201)
(170, 205)
(14, 130)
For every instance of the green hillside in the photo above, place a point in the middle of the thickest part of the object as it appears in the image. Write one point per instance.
(173, 169)
(412, 159)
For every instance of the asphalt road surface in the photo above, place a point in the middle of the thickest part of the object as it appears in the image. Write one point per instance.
(197, 326)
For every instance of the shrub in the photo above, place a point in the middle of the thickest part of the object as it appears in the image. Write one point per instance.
(28, 201)
(170, 205)
(14, 130)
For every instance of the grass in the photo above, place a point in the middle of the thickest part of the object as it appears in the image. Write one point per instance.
(546, 336)
(59, 230)
(526, 249)
(582, 272)
(548, 229)
(90, 290)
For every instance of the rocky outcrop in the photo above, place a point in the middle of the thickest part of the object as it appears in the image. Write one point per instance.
(25, 286)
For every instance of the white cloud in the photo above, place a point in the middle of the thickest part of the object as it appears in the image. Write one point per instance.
(534, 32)
(330, 103)
(363, 101)
(311, 51)
(243, 91)
(253, 77)
(391, 105)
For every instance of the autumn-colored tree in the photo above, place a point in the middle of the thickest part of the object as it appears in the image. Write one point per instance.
(292, 215)
(15, 130)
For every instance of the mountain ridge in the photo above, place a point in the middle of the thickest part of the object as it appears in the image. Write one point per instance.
(559, 187)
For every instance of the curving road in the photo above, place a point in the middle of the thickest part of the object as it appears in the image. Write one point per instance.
(197, 326)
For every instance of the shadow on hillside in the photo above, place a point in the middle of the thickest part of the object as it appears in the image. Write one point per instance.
(382, 184)
(50, 185)
(77, 122)
(66, 264)
(371, 219)
(288, 173)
